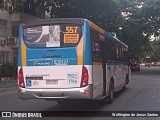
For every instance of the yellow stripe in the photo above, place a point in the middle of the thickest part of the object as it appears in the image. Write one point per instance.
(97, 63)
(23, 47)
(94, 26)
(80, 51)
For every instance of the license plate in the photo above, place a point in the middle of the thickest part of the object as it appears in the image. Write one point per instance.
(51, 82)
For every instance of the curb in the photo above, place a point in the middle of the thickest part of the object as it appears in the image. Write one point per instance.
(7, 86)
(8, 83)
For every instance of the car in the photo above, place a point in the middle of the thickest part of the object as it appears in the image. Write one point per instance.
(135, 67)
(142, 64)
(147, 64)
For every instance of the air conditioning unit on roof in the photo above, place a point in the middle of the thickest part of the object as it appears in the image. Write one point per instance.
(11, 40)
(2, 42)
(10, 6)
(10, 9)
(5, 41)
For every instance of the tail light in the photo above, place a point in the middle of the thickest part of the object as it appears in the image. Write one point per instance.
(21, 78)
(82, 22)
(23, 25)
(84, 78)
(137, 66)
(130, 67)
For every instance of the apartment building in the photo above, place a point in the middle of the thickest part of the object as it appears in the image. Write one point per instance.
(9, 25)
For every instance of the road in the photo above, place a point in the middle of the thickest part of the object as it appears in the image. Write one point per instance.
(141, 95)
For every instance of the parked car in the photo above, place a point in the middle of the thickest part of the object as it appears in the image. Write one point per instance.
(142, 64)
(147, 65)
(135, 67)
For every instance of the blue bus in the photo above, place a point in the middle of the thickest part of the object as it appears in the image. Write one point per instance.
(70, 58)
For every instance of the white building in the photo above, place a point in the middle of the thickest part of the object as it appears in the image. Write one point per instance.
(9, 25)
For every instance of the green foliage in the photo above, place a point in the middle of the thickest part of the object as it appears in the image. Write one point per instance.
(103, 13)
(6, 70)
(19, 5)
(144, 17)
(155, 46)
(151, 16)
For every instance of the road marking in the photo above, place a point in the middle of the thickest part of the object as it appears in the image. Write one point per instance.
(8, 93)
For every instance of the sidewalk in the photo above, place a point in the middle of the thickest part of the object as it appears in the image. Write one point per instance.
(7, 83)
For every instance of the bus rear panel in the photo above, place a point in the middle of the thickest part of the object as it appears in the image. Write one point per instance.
(51, 62)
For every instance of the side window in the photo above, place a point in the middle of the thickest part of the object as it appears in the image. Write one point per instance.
(120, 51)
(117, 52)
(108, 50)
(113, 51)
(95, 46)
(125, 52)
(121, 54)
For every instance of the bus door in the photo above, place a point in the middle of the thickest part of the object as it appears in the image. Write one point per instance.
(96, 64)
(120, 68)
(103, 66)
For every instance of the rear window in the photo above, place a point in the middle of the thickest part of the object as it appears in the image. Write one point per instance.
(64, 35)
(134, 64)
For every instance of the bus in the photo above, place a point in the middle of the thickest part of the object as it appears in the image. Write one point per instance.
(70, 58)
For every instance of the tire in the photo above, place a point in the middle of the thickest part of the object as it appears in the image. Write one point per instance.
(111, 92)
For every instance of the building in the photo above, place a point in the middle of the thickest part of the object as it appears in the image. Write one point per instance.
(9, 25)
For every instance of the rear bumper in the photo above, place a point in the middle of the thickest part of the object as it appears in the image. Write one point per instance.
(56, 94)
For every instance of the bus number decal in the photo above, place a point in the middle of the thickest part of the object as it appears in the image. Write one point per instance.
(61, 62)
(71, 29)
(71, 35)
(72, 75)
(72, 81)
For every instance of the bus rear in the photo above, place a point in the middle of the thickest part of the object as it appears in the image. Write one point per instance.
(51, 62)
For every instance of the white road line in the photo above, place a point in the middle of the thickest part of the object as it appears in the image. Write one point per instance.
(9, 93)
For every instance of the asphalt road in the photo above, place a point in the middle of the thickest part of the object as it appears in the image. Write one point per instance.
(142, 94)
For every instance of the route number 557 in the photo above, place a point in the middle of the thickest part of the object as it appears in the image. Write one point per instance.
(70, 29)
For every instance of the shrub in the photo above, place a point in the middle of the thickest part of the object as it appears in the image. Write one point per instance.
(6, 70)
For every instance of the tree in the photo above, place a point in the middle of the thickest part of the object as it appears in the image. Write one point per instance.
(138, 19)
(141, 20)
(151, 17)
(155, 45)
(105, 13)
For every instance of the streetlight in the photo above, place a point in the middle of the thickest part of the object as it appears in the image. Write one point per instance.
(120, 28)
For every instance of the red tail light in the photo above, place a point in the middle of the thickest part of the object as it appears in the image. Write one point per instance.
(130, 67)
(84, 79)
(82, 22)
(21, 78)
(23, 25)
(137, 66)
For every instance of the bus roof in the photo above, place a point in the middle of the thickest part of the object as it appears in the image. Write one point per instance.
(107, 34)
(53, 20)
